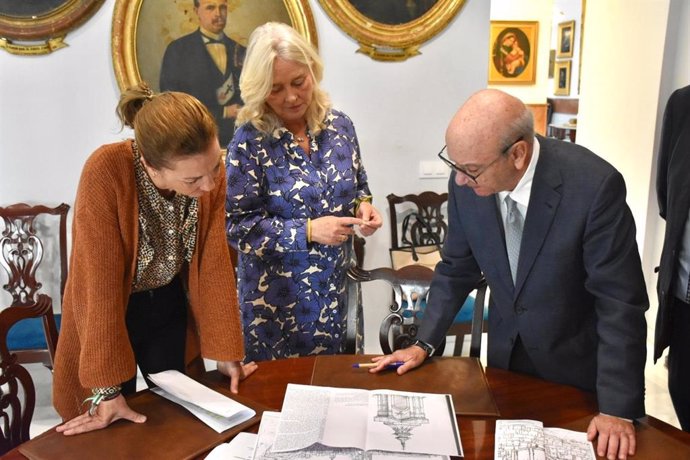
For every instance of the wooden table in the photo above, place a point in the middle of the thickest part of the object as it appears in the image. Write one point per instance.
(517, 397)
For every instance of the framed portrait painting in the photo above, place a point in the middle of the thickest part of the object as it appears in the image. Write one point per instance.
(39, 26)
(566, 39)
(562, 78)
(391, 30)
(196, 46)
(513, 52)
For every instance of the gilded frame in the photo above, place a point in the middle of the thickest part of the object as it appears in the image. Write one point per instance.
(126, 20)
(17, 32)
(385, 42)
(561, 78)
(566, 39)
(513, 52)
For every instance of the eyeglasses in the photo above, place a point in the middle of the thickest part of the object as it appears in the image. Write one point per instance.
(474, 177)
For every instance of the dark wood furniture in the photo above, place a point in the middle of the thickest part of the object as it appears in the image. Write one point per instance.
(17, 391)
(429, 205)
(21, 253)
(517, 397)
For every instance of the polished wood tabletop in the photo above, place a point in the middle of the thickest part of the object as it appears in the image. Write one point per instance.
(517, 397)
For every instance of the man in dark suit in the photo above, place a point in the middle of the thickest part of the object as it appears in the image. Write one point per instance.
(546, 222)
(673, 193)
(207, 64)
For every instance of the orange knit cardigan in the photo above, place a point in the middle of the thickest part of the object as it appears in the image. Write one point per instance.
(93, 348)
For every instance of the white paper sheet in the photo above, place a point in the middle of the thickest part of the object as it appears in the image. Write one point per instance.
(379, 420)
(214, 409)
(241, 447)
(267, 432)
(529, 439)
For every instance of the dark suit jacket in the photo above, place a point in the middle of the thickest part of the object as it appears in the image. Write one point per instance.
(189, 68)
(580, 298)
(673, 193)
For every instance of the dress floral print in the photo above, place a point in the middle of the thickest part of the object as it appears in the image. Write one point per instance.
(291, 292)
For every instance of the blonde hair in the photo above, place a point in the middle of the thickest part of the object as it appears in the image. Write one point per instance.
(266, 43)
(166, 125)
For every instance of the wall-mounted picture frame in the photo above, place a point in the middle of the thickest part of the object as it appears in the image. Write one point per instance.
(562, 78)
(160, 42)
(513, 55)
(391, 30)
(566, 40)
(39, 27)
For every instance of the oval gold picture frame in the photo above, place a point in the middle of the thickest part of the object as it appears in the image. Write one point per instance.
(137, 54)
(17, 32)
(385, 42)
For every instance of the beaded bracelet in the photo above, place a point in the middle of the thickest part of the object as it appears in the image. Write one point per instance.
(102, 394)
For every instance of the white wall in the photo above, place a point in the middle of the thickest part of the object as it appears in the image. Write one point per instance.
(619, 96)
(56, 109)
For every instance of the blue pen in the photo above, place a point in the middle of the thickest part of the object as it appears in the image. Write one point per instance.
(393, 365)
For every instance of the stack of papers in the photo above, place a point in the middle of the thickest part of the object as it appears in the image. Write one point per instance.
(214, 409)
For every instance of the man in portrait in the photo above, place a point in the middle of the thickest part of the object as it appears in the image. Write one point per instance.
(207, 64)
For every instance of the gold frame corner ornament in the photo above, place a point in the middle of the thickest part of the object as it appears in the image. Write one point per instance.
(384, 42)
(43, 34)
(124, 27)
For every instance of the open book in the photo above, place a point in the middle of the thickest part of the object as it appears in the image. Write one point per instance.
(377, 420)
(529, 439)
(214, 409)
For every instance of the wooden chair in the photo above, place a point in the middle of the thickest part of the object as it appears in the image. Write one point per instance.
(410, 291)
(428, 205)
(354, 338)
(17, 391)
(22, 250)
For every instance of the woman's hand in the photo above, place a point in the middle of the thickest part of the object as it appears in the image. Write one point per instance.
(106, 413)
(371, 219)
(237, 371)
(333, 230)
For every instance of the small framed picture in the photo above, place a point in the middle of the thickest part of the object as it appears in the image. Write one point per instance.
(513, 52)
(562, 78)
(566, 39)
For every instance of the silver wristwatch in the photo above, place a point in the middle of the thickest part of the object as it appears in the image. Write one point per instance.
(426, 347)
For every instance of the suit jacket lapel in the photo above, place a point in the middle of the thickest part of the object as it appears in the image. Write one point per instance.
(543, 204)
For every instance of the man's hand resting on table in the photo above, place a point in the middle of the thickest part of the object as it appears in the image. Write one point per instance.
(412, 357)
(616, 436)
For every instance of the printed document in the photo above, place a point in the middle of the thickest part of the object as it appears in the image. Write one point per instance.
(379, 420)
(267, 434)
(529, 439)
(214, 409)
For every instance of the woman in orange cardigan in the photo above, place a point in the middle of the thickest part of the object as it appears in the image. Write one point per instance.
(151, 282)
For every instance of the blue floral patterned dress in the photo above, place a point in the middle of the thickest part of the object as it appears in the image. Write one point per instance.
(291, 292)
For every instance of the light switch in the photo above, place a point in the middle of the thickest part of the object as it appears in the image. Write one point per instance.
(432, 169)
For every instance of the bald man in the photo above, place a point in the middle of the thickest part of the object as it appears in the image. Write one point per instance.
(571, 308)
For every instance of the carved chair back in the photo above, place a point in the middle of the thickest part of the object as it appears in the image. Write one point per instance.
(429, 207)
(21, 253)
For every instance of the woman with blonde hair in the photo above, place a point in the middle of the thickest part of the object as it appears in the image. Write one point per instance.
(151, 282)
(297, 189)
